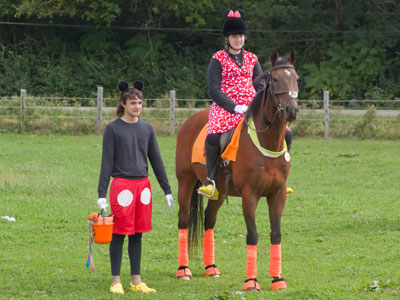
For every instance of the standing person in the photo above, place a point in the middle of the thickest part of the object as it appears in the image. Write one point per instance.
(231, 74)
(127, 143)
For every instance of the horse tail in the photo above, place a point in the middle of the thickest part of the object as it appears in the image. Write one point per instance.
(196, 214)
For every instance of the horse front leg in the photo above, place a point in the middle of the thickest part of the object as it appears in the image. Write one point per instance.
(210, 218)
(276, 204)
(249, 205)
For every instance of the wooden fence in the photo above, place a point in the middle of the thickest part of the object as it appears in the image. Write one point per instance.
(100, 109)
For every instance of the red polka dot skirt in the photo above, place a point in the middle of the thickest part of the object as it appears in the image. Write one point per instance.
(237, 84)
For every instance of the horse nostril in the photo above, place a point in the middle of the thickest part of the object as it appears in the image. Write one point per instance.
(289, 110)
(292, 112)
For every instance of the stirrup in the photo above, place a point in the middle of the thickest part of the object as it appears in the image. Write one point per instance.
(209, 191)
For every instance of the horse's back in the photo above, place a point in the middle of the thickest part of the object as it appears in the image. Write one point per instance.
(187, 135)
(192, 126)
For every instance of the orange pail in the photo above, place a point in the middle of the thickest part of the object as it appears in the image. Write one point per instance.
(102, 230)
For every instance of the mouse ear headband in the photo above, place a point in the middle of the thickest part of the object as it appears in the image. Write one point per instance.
(234, 23)
(123, 85)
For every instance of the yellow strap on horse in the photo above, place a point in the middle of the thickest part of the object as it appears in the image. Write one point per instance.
(256, 142)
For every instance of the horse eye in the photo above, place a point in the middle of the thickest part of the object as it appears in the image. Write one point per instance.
(275, 80)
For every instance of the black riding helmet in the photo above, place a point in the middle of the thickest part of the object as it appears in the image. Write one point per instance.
(234, 23)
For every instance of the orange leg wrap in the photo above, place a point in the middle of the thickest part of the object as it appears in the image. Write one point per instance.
(251, 268)
(208, 247)
(183, 256)
(275, 261)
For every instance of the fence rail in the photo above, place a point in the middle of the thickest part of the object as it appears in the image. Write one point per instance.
(98, 106)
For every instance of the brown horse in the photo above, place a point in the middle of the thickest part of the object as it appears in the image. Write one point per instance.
(257, 172)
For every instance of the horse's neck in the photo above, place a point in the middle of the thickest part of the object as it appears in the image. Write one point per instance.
(273, 137)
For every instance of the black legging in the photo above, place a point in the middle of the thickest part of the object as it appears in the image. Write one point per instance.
(288, 138)
(134, 251)
(213, 139)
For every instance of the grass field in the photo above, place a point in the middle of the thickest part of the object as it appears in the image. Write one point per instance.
(340, 229)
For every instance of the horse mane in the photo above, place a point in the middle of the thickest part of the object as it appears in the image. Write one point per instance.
(255, 103)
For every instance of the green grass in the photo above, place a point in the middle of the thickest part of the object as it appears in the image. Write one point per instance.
(340, 229)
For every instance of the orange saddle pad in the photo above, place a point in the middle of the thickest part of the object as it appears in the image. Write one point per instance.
(198, 155)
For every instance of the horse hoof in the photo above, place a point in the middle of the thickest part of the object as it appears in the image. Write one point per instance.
(278, 284)
(251, 285)
(212, 271)
(184, 273)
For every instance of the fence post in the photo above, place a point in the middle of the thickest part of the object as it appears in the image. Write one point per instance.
(172, 98)
(23, 107)
(99, 108)
(326, 113)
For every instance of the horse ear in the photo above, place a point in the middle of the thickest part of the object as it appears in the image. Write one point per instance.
(292, 56)
(274, 57)
(137, 84)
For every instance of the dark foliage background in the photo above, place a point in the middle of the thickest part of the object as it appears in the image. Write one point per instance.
(351, 48)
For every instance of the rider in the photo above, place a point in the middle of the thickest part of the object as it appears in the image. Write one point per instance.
(231, 86)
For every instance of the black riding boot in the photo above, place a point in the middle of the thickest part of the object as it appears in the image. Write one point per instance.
(212, 163)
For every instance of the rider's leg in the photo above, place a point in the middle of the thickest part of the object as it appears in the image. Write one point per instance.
(288, 139)
(212, 147)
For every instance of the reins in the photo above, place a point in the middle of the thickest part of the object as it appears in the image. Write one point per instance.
(266, 121)
(279, 107)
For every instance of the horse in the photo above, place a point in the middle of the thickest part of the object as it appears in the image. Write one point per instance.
(259, 171)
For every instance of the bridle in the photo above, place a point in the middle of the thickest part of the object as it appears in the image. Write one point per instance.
(275, 94)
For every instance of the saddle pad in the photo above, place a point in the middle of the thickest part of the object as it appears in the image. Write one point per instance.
(233, 146)
(198, 147)
(229, 153)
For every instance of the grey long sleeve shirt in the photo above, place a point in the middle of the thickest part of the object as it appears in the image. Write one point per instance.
(126, 147)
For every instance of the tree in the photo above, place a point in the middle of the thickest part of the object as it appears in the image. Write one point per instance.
(348, 47)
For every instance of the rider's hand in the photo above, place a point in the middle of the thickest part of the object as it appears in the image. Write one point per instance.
(170, 201)
(102, 204)
(240, 109)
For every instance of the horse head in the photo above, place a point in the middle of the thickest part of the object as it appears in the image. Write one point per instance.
(280, 94)
(282, 82)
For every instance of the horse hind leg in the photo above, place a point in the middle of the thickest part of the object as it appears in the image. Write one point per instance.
(211, 270)
(183, 256)
(186, 192)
